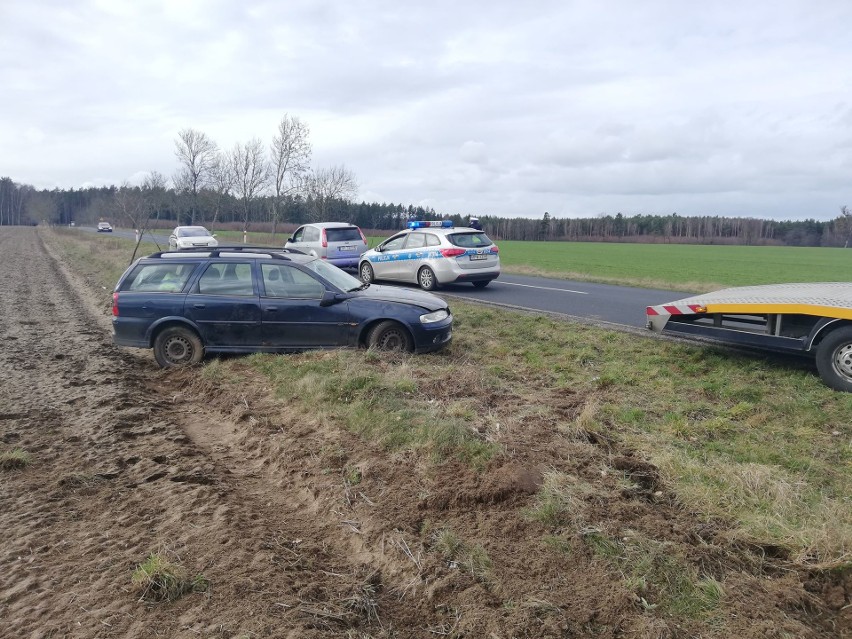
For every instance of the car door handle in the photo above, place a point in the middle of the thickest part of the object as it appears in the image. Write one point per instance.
(199, 305)
(270, 308)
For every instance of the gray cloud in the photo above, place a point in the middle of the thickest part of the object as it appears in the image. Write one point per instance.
(578, 108)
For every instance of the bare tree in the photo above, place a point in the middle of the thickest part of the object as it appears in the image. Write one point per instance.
(220, 184)
(844, 224)
(325, 185)
(290, 154)
(197, 154)
(250, 173)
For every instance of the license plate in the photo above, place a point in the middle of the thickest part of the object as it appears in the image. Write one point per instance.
(345, 248)
(479, 256)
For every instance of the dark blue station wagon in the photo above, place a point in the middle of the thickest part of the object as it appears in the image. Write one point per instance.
(252, 299)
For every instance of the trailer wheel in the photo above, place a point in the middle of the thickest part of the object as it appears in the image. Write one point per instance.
(834, 359)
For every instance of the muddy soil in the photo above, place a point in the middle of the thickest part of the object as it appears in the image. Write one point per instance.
(128, 460)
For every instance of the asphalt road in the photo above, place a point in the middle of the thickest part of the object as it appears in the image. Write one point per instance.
(621, 306)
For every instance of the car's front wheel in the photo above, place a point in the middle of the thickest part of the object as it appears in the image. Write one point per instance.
(177, 346)
(427, 280)
(834, 359)
(390, 336)
(366, 273)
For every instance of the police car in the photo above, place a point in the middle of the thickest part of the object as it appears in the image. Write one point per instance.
(431, 253)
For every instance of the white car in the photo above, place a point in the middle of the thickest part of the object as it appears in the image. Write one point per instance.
(104, 227)
(433, 253)
(187, 237)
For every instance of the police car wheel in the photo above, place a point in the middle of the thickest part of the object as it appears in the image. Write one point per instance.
(390, 336)
(481, 284)
(427, 280)
(366, 272)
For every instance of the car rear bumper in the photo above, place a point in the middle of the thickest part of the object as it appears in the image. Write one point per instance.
(345, 262)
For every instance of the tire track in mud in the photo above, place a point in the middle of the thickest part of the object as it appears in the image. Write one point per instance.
(115, 477)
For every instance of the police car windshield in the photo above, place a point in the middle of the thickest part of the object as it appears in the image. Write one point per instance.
(340, 279)
(469, 240)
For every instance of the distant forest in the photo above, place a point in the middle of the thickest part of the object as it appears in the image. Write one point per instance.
(152, 205)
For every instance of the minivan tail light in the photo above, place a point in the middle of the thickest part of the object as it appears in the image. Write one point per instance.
(453, 252)
(115, 304)
(324, 239)
(363, 237)
(494, 249)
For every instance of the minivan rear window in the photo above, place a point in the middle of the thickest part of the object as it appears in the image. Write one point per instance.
(347, 234)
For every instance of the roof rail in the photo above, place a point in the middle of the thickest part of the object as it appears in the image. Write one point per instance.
(272, 251)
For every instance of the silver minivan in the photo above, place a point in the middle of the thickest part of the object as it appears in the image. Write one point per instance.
(339, 243)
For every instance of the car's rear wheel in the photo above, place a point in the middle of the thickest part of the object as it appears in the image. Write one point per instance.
(177, 346)
(390, 336)
(834, 359)
(481, 284)
(366, 273)
(427, 280)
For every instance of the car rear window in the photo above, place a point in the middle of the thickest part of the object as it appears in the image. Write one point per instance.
(469, 240)
(347, 234)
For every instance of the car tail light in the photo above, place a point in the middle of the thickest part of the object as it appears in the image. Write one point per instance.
(494, 249)
(324, 239)
(115, 304)
(363, 237)
(454, 252)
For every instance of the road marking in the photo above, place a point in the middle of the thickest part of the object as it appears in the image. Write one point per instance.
(544, 288)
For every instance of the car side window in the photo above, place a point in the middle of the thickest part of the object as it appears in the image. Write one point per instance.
(415, 241)
(167, 278)
(281, 280)
(394, 243)
(312, 234)
(226, 278)
(432, 240)
(297, 236)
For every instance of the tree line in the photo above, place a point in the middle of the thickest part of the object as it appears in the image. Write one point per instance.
(264, 186)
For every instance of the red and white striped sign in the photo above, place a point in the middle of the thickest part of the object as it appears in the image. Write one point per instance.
(675, 309)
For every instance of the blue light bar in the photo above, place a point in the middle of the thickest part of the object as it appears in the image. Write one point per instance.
(422, 224)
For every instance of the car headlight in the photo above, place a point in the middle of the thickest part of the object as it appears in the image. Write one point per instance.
(434, 316)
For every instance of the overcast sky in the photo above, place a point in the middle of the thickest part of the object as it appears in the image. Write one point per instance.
(492, 107)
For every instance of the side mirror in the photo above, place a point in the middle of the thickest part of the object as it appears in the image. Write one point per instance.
(329, 298)
(379, 248)
(212, 235)
(290, 239)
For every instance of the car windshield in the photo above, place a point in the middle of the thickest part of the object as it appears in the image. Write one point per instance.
(195, 231)
(339, 278)
(348, 234)
(469, 240)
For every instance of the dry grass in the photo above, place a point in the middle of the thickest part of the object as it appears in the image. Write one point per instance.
(159, 579)
(15, 459)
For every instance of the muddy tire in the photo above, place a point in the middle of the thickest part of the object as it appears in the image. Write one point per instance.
(177, 346)
(366, 274)
(390, 336)
(834, 359)
(427, 280)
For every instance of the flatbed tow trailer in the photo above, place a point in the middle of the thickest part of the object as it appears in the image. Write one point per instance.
(814, 319)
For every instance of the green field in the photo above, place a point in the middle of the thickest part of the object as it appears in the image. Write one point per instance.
(687, 267)
(684, 267)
